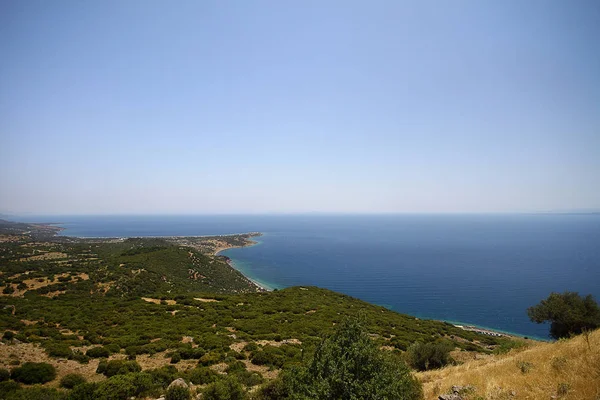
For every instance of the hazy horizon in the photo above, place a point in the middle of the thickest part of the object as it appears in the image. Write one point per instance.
(344, 107)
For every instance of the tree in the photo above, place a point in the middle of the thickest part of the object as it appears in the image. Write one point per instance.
(348, 365)
(568, 313)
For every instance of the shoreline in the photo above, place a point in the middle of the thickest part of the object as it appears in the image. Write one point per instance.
(262, 286)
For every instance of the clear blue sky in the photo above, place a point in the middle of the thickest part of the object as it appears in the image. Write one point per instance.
(299, 106)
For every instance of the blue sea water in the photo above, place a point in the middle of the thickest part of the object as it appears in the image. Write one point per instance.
(483, 270)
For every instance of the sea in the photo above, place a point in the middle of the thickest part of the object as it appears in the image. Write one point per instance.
(482, 270)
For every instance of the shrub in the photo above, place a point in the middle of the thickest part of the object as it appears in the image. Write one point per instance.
(248, 378)
(9, 386)
(175, 358)
(80, 357)
(203, 376)
(4, 374)
(37, 393)
(163, 376)
(425, 356)
(118, 367)
(30, 373)
(98, 352)
(84, 391)
(235, 367)
(8, 335)
(60, 350)
(524, 366)
(178, 393)
(563, 389)
(226, 389)
(113, 348)
(348, 365)
(124, 386)
(71, 380)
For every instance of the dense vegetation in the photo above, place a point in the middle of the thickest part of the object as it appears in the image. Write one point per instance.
(107, 302)
(568, 314)
(347, 365)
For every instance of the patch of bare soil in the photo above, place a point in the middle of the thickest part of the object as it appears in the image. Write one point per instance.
(266, 372)
(157, 301)
(206, 300)
(52, 255)
(29, 352)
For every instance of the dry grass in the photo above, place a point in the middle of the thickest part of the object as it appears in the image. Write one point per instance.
(567, 369)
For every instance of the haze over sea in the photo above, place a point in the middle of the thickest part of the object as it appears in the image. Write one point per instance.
(483, 270)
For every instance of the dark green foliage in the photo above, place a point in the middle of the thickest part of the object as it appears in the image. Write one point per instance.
(178, 393)
(225, 389)
(175, 358)
(59, 350)
(269, 355)
(163, 376)
(30, 373)
(71, 380)
(348, 365)
(9, 386)
(122, 387)
(8, 335)
(36, 393)
(202, 376)
(568, 313)
(248, 378)
(98, 352)
(117, 367)
(85, 391)
(4, 374)
(80, 357)
(425, 356)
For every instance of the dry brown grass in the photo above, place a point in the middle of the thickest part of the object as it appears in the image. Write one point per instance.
(567, 369)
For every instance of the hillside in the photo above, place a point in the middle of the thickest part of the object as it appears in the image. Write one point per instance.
(567, 369)
(170, 307)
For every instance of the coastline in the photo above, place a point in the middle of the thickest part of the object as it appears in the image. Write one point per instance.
(261, 285)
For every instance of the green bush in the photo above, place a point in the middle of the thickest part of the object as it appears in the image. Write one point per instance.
(175, 358)
(8, 335)
(248, 378)
(84, 391)
(124, 386)
(178, 393)
(36, 393)
(226, 389)
(30, 373)
(425, 356)
(80, 357)
(71, 380)
(202, 376)
(4, 374)
(98, 352)
(117, 367)
(347, 365)
(59, 350)
(163, 376)
(9, 386)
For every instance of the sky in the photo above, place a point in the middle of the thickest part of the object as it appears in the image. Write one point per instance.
(203, 107)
